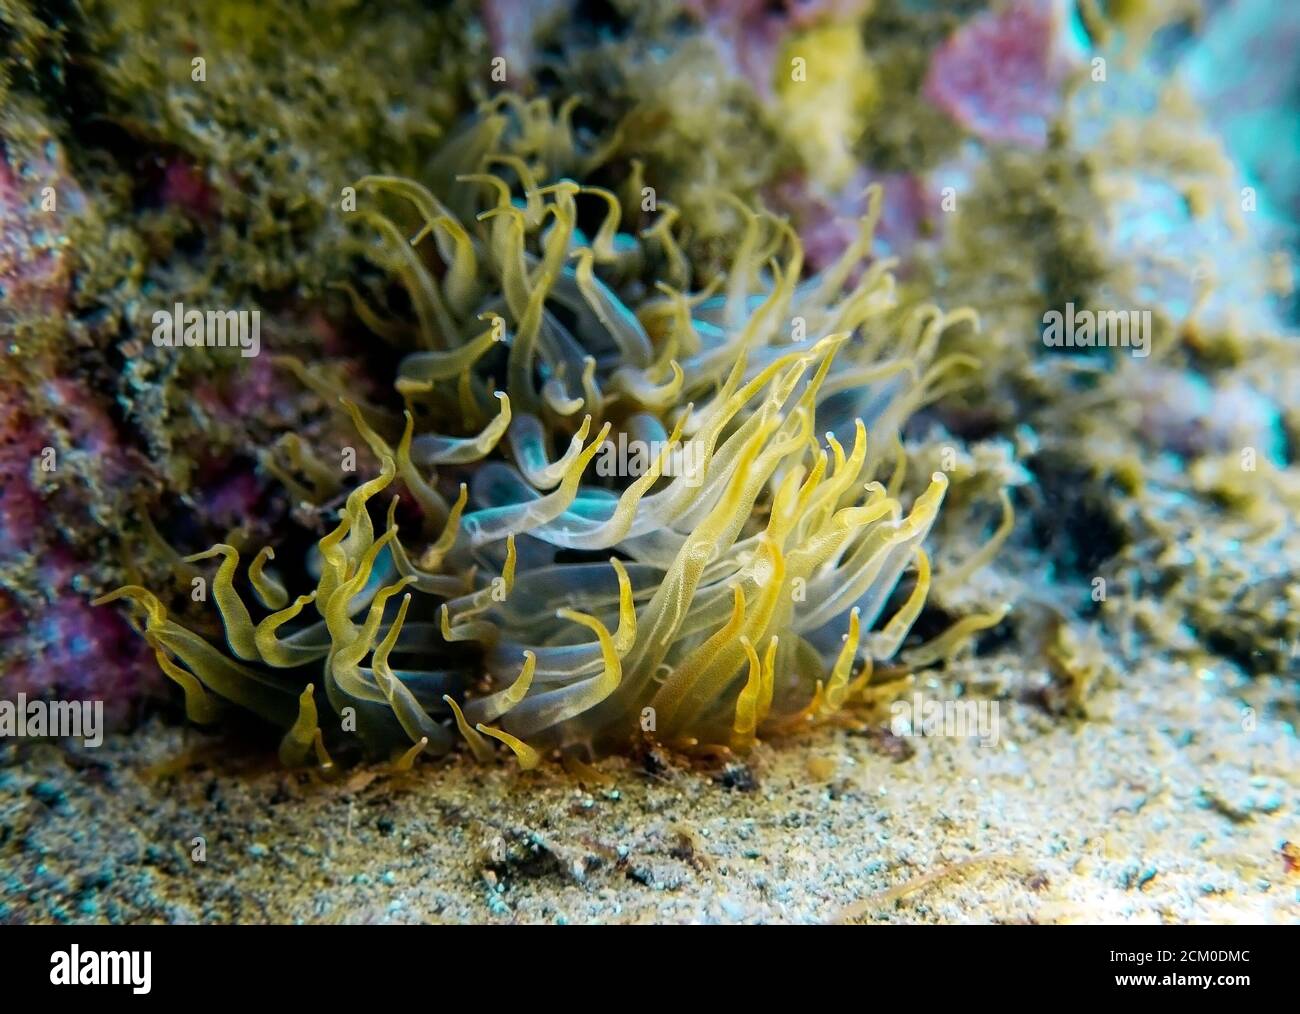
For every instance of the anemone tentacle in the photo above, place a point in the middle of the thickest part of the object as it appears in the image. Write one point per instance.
(723, 584)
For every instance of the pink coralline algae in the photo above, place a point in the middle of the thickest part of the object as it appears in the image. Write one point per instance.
(51, 641)
(512, 27)
(59, 452)
(1000, 74)
(229, 403)
(34, 195)
(829, 223)
(55, 440)
(184, 186)
(231, 498)
(69, 649)
(20, 447)
(87, 430)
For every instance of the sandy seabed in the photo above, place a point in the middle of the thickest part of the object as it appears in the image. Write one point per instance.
(1175, 801)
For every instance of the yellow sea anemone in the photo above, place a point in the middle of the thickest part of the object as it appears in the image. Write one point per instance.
(546, 603)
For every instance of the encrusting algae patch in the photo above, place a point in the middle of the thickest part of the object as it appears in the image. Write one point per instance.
(490, 583)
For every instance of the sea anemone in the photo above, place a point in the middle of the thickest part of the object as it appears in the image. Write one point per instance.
(539, 600)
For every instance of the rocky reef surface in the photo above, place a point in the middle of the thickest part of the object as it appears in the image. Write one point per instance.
(1135, 507)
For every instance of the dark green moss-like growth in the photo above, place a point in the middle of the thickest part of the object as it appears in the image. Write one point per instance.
(216, 184)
